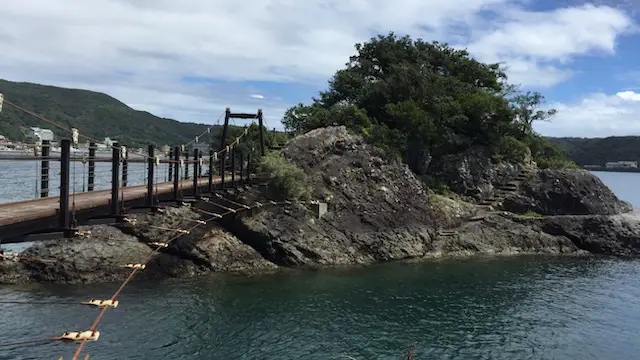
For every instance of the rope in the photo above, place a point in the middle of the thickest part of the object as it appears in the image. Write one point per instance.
(27, 302)
(124, 284)
(27, 342)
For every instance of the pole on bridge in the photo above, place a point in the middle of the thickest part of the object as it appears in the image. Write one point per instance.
(200, 164)
(233, 166)
(223, 157)
(64, 218)
(115, 180)
(91, 179)
(196, 193)
(223, 140)
(176, 174)
(44, 168)
(150, 167)
(261, 128)
(241, 167)
(170, 176)
(125, 168)
(186, 164)
(211, 170)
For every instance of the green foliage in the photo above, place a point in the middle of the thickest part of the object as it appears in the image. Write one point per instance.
(422, 101)
(286, 179)
(94, 114)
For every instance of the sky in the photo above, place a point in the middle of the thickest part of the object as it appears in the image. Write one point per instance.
(190, 59)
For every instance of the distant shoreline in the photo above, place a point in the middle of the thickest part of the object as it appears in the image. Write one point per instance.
(620, 170)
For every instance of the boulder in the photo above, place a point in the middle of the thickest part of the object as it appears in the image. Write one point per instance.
(565, 192)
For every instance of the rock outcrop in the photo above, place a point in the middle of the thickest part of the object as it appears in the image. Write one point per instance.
(377, 211)
(565, 192)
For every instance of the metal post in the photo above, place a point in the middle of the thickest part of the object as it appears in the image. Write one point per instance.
(91, 178)
(211, 170)
(233, 166)
(64, 218)
(44, 168)
(150, 167)
(241, 168)
(115, 180)
(186, 164)
(196, 193)
(176, 173)
(260, 122)
(170, 176)
(223, 156)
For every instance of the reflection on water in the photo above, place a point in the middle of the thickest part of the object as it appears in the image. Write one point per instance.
(500, 308)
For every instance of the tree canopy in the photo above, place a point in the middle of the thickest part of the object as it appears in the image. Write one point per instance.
(422, 101)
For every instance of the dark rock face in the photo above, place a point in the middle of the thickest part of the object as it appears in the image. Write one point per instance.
(100, 256)
(565, 192)
(378, 209)
(617, 235)
(499, 234)
(473, 175)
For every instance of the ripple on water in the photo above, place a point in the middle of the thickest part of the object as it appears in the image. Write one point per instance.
(505, 308)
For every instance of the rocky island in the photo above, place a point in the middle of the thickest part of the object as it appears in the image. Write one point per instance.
(425, 164)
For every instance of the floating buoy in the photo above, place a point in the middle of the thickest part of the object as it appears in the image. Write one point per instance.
(80, 336)
(135, 266)
(101, 303)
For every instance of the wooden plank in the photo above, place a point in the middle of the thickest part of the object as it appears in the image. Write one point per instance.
(16, 212)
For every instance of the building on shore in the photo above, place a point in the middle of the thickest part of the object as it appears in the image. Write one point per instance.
(621, 165)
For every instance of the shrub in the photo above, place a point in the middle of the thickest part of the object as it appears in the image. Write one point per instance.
(285, 179)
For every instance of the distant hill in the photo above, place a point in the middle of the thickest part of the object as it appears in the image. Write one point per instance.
(597, 151)
(93, 113)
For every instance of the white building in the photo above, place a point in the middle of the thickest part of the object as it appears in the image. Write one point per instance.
(621, 164)
(36, 134)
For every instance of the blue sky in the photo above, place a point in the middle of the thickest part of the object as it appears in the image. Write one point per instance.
(190, 59)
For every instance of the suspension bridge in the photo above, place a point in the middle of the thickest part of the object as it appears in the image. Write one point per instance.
(167, 181)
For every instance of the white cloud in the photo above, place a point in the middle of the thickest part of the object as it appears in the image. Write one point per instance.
(138, 50)
(596, 115)
(535, 44)
(256, 96)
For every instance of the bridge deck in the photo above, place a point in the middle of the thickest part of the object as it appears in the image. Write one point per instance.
(16, 212)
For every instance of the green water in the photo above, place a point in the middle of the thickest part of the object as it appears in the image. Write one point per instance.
(500, 308)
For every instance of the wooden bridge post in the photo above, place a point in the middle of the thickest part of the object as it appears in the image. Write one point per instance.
(64, 218)
(261, 128)
(176, 173)
(241, 154)
(223, 157)
(233, 167)
(115, 180)
(44, 168)
(186, 164)
(170, 175)
(91, 178)
(196, 193)
(211, 170)
(225, 127)
(150, 170)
